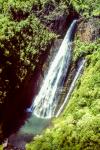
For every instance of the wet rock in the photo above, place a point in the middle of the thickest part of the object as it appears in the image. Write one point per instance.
(60, 23)
(18, 141)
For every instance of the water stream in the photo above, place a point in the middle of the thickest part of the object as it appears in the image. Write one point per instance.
(46, 101)
(78, 73)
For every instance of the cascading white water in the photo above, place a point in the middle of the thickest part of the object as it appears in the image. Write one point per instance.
(46, 101)
(81, 65)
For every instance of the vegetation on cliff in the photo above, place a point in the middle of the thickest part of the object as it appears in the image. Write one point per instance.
(21, 43)
(87, 8)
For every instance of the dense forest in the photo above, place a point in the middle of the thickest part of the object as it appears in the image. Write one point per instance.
(28, 29)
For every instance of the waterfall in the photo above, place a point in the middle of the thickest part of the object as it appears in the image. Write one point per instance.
(47, 99)
(79, 70)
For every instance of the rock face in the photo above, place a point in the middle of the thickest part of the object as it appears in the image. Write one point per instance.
(89, 30)
(59, 23)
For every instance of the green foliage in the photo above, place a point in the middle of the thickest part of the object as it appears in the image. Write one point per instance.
(22, 40)
(84, 7)
(87, 8)
(1, 148)
(23, 5)
(61, 7)
(84, 48)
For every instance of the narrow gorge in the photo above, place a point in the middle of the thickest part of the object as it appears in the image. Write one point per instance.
(49, 75)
